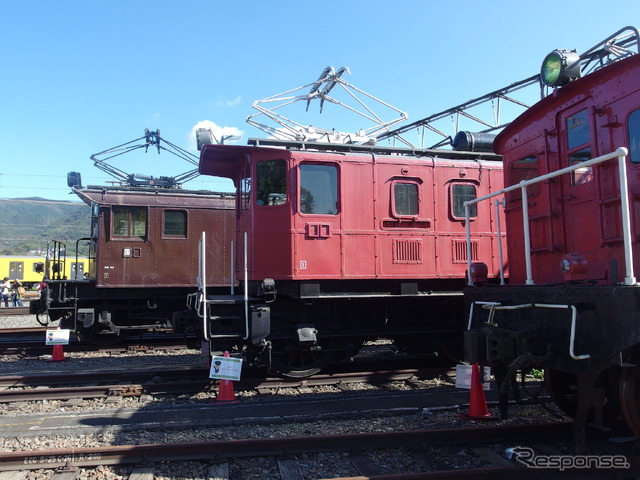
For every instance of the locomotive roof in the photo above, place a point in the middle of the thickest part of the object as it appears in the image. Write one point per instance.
(567, 95)
(227, 159)
(122, 195)
(373, 149)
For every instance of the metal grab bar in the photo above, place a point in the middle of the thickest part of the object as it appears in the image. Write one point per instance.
(620, 154)
(493, 306)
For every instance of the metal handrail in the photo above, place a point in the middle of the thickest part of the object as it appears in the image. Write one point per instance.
(620, 154)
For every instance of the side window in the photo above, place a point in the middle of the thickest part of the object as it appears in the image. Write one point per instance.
(460, 193)
(95, 220)
(405, 199)
(318, 189)
(130, 222)
(634, 136)
(175, 223)
(245, 193)
(271, 188)
(579, 150)
(523, 169)
(243, 197)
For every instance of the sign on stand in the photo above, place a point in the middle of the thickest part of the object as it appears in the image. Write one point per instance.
(225, 368)
(463, 377)
(58, 337)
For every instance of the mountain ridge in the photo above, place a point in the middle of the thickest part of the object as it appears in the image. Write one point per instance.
(28, 223)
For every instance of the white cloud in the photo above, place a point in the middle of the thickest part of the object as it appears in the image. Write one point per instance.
(231, 103)
(217, 131)
(153, 119)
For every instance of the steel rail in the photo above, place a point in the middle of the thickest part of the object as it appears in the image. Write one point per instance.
(219, 449)
(14, 311)
(38, 387)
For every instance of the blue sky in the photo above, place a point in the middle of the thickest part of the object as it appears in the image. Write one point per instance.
(79, 77)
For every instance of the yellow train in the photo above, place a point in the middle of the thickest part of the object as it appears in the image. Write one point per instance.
(30, 270)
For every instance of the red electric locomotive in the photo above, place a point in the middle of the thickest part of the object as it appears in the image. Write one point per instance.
(571, 306)
(336, 244)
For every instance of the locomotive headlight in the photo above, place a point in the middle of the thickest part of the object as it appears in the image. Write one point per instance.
(560, 67)
(574, 266)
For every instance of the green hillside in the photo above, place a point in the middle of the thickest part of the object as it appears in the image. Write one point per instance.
(27, 223)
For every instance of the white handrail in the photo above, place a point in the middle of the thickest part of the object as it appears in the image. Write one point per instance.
(493, 306)
(620, 154)
(246, 290)
(499, 233)
(202, 285)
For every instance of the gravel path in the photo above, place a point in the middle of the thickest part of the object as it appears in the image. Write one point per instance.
(314, 466)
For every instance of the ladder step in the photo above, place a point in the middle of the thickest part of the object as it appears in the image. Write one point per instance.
(226, 299)
(225, 317)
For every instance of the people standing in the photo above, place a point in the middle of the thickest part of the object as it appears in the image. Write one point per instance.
(4, 291)
(17, 290)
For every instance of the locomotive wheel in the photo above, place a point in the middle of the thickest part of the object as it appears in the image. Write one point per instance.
(292, 360)
(630, 394)
(563, 389)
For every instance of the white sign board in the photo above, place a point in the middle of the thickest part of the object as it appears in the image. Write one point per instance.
(58, 337)
(463, 377)
(225, 368)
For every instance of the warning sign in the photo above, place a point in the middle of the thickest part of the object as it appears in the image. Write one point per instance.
(58, 337)
(225, 368)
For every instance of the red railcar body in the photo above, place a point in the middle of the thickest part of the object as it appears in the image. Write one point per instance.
(339, 216)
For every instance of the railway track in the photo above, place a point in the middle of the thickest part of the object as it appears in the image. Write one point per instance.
(13, 311)
(83, 385)
(217, 455)
(31, 342)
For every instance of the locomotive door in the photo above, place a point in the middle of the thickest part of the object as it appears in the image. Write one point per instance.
(579, 192)
(318, 223)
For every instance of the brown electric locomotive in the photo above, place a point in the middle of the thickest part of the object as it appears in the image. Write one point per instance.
(141, 255)
(142, 261)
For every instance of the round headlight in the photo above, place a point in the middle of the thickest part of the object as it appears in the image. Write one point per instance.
(560, 67)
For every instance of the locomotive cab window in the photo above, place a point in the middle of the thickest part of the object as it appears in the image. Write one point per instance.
(271, 182)
(405, 199)
(579, 150)
(460, 193)
(175, 224)
(130, 222)
(634, 136)
(318, 189)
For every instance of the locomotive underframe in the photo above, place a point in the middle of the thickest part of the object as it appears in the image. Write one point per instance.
(97, 313)
(607, 323)
(594, 380)
(311, 324)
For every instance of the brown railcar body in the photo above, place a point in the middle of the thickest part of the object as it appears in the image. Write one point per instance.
(158, 258)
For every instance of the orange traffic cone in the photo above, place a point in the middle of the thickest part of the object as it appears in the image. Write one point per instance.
(225, 391)
(58, 354)
(477, 403)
